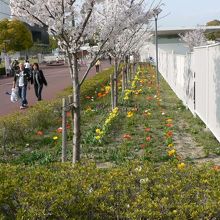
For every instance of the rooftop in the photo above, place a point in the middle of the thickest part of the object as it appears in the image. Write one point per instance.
(177, 30)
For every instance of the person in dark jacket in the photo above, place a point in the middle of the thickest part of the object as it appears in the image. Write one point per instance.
(39, 80)
(22, 82)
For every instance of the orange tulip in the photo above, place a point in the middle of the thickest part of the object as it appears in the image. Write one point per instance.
(40, 133)
(169, 134)
(216, 168)
(99, 94)
(127, 136)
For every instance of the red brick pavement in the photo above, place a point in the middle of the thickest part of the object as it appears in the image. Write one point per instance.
(58, 78)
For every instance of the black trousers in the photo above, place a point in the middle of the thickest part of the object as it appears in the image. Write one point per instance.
(97, 68)
(38, 91)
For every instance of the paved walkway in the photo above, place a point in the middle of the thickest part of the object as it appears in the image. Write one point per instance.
(58, 78)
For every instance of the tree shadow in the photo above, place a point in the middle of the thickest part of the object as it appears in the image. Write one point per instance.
(217, 84)
(188, 79)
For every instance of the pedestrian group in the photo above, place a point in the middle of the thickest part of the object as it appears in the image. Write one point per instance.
(24, 77)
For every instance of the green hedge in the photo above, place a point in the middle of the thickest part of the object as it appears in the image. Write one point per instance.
(135, 191)
(2, 71)
(17, 127)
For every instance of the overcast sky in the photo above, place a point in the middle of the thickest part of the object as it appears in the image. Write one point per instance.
(189, 12)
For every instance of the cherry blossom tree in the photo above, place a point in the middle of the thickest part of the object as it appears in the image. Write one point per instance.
(131, 31)
(194, 38)
(68, 21)
(72, 21)
(135, 40)
(128, 43)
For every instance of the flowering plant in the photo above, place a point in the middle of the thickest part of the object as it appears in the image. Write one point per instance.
(100, 132)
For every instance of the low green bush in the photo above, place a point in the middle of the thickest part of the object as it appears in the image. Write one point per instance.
(18, 127)
(2, 71)
(138, 190)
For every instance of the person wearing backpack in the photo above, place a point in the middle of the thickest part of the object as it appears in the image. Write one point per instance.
(38, 80)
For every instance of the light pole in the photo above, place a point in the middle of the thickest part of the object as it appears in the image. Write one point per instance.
(156, 12)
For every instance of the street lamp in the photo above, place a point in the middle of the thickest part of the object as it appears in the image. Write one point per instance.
(156, 12)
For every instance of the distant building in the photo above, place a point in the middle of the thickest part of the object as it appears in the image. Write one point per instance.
(39, 35)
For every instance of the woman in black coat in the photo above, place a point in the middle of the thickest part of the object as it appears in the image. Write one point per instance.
(39, 80)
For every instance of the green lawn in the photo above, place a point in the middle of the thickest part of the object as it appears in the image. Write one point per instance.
(160, 129)
(149, 145)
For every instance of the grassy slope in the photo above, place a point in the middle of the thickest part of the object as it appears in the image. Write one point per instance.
(146, 130)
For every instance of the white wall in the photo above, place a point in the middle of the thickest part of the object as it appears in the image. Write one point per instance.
(195, 78)
(207, 69)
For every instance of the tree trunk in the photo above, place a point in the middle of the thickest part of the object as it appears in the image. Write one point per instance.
(123, 79)
(112, 90)
(133, 70)
(128, 71)
(116, 83)
(73, 67)
(64, 131)
(76, 110)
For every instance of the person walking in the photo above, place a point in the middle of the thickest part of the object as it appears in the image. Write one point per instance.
(39, 80)
(97, 66)
(22, 82)
(14, 67)
(27, 66)
(110, 59)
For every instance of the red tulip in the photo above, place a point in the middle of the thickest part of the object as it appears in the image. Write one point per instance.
(148, 138)
(59, 130)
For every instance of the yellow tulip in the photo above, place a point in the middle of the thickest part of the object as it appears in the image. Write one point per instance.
(55, 138)
(171, 152)
(98, 131)
(130, 114)
(98, 137)
(181, 166)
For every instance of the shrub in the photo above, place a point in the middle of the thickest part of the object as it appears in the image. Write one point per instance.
(16, 128)
(2, 71)
(135, 191)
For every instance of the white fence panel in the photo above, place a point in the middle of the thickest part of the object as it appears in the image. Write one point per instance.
(201, 81)
(195, 78)
(214, 91)
(208, 87)
(189, 82)
(172, 68)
